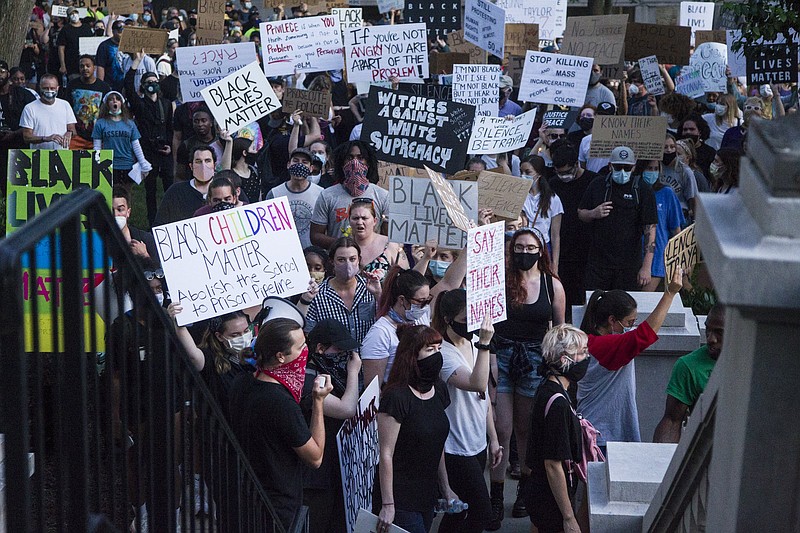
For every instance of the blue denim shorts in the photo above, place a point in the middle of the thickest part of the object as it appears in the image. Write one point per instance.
(509, 380)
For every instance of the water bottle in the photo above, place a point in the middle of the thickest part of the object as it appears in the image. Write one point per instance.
(453, 506)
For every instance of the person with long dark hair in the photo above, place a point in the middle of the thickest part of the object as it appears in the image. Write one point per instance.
(724, 170)
(543, 207)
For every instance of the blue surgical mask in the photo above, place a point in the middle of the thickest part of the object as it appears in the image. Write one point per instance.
(720, 110)
(146, 17)
(621, 177)
(650, 176)
(438, 268)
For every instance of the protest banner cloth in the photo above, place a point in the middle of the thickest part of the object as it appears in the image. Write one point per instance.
(772, 63)
(88, 45)
(241, 98)
(502, 193)
(478, 85)
(651, 75)
(151, 40)
(231, 260)
(484, 26)
(486, 274)
(709, 36)
(451, 202)
(418, 214)
(304, 44)
(357, 441)
(669, 43)
(37, 179)
(443, 62)
(681, 252)
(601, 37)
(416, 130)
(368, 523)
(386, 170)
(690, 82)
(520, 38)
(440, 17)
(458, 43)
(644, 135)
(555, 79)
(201, 66)
(711, 60)
(495, 135)
(550, 15)
(384, 6)
(561, 117)
(376, 53)
(311, 103)
(440, 92)
(348, 17)
(210, 26)
(697, 16)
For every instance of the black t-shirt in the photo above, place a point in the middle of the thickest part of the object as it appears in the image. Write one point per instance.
(279, 154)
(68, 38)
(169, 88)
(147, 238)
(5, 106)
(705, 156)
(269, 425)
(423, 429)
(617, 238)
(220, 384)
(179, 203)
(574, 233)
(529, 322)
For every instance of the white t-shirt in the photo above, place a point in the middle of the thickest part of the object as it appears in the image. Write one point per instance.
(381, 340)
(491, 163)
(47, 120)
(595, 164)
(467, 411)
(544, 220)
(717, 130)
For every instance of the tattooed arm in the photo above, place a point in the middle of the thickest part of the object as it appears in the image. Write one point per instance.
(649, 248)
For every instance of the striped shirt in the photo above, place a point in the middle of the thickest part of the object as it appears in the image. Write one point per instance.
(328, 304)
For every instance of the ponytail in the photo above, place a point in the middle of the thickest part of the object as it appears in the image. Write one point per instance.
(604, 304)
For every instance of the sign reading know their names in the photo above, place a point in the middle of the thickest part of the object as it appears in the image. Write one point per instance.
(241, 98)
(495, 135)
(311, 103)
(711, 60)
(681, 252)
(669, 43)
(376, 53)
(600, 37)
(201, 66)
(555, 79)
(477, 85)
(230, 260)
(651, 75)
(305, 44)
(484, 25)
(772, 63)
(502, 193)
(697, 16)
(644, 135)
(153, 41)
(486, 274)
(419, 214)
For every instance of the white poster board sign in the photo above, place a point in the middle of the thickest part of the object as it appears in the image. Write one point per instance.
(377, 53)
(231, 260)
(241, 98)
(305, 44)
(63, 11)
(484, 26)
(711, 60)
(368, 523)
(555, 79)
(88, 45)
(495, 135)
(348, 17)
(478, 85)
(550, 15)
(651, 75)
(697, 15)
(201, 66)
(486, 274)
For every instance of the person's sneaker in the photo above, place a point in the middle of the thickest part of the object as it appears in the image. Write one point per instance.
(200, 504)
(514, 470)
(519, 510)
(498, 513)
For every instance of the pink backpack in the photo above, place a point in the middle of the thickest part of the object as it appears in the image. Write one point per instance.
(591, 451)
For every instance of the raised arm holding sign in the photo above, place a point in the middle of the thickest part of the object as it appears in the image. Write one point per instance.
(241, 98)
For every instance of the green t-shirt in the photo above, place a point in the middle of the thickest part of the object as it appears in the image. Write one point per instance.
(690, 375)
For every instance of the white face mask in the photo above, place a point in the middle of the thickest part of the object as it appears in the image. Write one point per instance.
(322, 157)
(160, 298)
(74, 17)
(237, 344)
(121, 221)
(416, 312)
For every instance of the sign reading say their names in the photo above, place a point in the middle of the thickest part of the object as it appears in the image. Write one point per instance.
(451, 202)
(772, 63)
(669, 43)
(201, 66)
(311, 103)
(697, 16)
(304, 44)
(241, 98)
(376, 53)
(601, 37)
(153, 41)
(477, 85)
(495, 135)
(644, 135)
(711, 60)
(555, 79)
(230, 260)
(502, 193)
(651, 75)
(486, 274)
(484, 25)
(681, 252)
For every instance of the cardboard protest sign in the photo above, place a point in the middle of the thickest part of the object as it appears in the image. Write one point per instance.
(88, 45)
(348, 17)
(520, 38)
(384, 6)
(153, 41)
(443, 62)
(697, 16)
(644, 135)
(440, 17)
(311, 103)
(681, 252)
(774, 63)
(516, 65)
(555, 79)
(502, 193)
(416, 130)
(486, 274)
(495, 135)
(440, 92)
(669, 43)
(477, 85)
(417, 213)
(357, 441)
(690, 82)
(124, 7)
(550, 15)
(613, 72)
(458, 43)
(455, 210)
(210, 25)
(305, 44)
(601, 37)
(651, 75)
(201, 66)
(386, 170)
(561, 117)
(484, 25)
(231, 260)
(711, 60)
(377, 53)
(709, 36)
(241, 98)
(368, 523)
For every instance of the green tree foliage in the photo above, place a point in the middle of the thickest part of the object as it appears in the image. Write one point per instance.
(764, 19)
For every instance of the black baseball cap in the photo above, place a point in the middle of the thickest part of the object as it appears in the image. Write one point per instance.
(3, 65)
(303, 151)
(331, 331)
(606, 108)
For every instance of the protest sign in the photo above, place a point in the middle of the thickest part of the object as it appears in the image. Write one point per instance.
(520, 38)
(93, 4)
(458, 43)
(709, 36)
(561, 117)
(440, 17)
(153, 41)
(63, 11)
(644, 135)
(697, 16)
(384, 6)
(124, 7)
(241, 98)
(484, 25)
(377, 53)
(669, 43)
(495, 135)
(550, 15)
(477, 85)
(681, 252)
(651, 75)
(359, 3)
(516, 65)
(416, 130)
(601, 37)
(210, 25)
(387, 170)
(348, 17)
(311, 103)
(486, 274)
(357, 441)
(368, 523)
(417, 213)
(773, 63)
(440, 92)
(690, 82)
(304, 44)
(443, 62)
(711, 60)
(451, 202)
(231, 260)
(88, 45)
(555, 79)
(613, 72)
(502, 193)
(201, 66)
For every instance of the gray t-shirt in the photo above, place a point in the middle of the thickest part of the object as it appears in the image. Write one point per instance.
(681, 178)
(599, 93)
(607, 399)
(302, 206)
(332, 205)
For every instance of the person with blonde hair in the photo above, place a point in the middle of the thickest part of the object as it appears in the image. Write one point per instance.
(724, 117)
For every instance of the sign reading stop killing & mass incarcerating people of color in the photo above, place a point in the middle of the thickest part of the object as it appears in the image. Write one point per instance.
(486, 274)
(555, 79)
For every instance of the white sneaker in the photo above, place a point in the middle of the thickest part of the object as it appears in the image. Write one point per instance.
(142, 516)
(178, 520)
(200, 504)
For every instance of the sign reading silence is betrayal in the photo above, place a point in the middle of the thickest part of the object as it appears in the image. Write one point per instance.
(230, 260)
(416, 130)
(495, 135)
(241, 98)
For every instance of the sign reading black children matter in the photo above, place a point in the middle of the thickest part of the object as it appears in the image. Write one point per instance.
(416, 130)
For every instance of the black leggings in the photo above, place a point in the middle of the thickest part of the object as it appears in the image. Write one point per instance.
(466, 479)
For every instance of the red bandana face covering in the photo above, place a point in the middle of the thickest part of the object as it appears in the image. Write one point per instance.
(291, 375)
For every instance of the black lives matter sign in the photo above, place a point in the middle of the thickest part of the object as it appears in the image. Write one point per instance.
(441, 17)
(771, 63)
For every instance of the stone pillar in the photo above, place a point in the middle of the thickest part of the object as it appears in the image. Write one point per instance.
(751, 243)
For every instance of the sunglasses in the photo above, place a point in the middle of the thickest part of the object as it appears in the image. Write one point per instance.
(362, 200)
(752, 108)
(149, 275)
(554, 136)
(622, 167)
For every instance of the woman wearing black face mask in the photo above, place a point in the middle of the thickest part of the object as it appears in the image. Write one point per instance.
(585, 121)
(244, 164)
